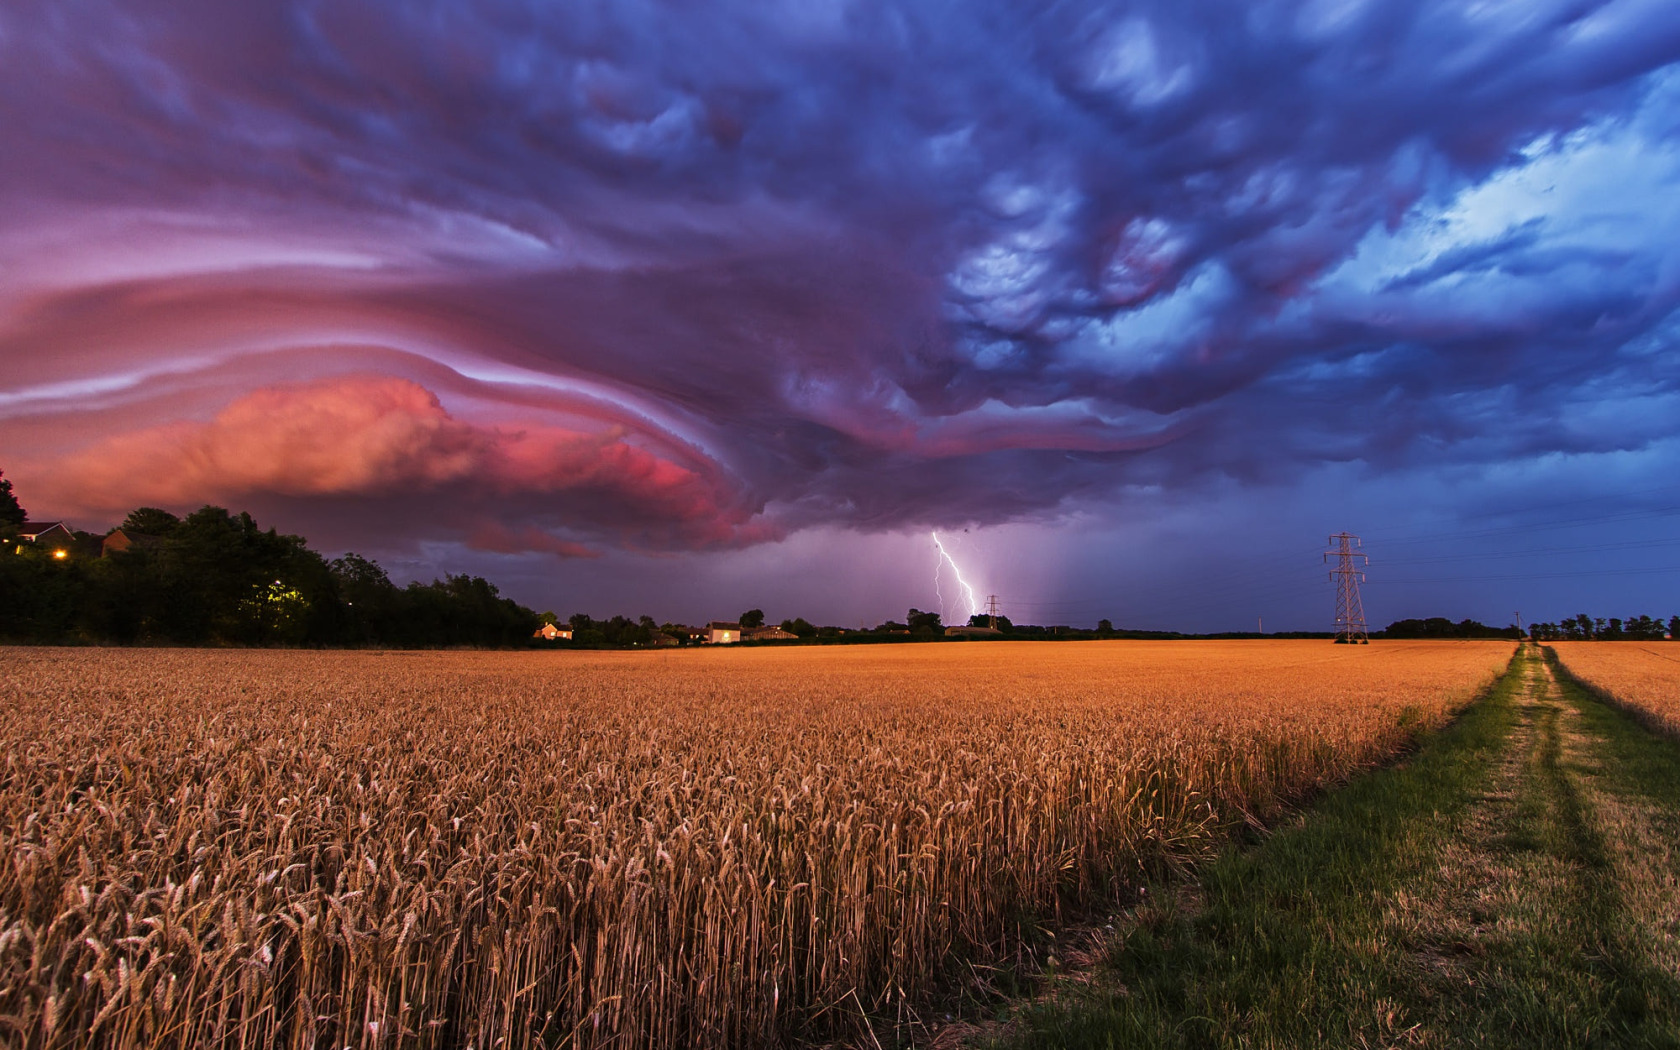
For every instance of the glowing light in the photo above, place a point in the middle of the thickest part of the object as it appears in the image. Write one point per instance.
(945, 556)
(61, 554)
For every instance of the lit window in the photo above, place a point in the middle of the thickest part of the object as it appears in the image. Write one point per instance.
(61, 554)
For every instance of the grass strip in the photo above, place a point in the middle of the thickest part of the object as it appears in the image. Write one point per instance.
(1462, 898)
(1643, 753)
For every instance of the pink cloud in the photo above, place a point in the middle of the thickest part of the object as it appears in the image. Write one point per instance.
(381, 437)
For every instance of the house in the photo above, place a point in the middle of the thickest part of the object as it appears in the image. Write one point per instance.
(554, 632)
(662, 640)
(768, 634)
(119, 540)
(719, 632)
(46, 532)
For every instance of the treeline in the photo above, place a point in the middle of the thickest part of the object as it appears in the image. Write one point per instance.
(1584, 628)
(1441, 627)
(1577, 628)
(917, 626)
(215, 577)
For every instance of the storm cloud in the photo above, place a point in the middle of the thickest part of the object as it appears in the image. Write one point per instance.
(666, 277)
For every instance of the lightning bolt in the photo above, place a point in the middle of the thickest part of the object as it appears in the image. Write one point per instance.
(945, 556)
(940, 594)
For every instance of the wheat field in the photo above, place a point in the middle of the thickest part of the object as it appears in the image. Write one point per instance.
(1644, 675)
(694, 848)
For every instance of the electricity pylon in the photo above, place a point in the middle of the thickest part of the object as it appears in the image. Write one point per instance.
(1350, 612)
(991, 610)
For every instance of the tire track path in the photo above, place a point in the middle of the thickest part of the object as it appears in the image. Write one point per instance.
(1514, 883)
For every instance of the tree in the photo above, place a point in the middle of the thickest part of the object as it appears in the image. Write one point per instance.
(800, 626)
(924, 622)
(1105, 626)
(369, 600)
(1674, 628)
(752, 618)
(1643, 628)
(12, 514)
(150, 521)
(274, 612)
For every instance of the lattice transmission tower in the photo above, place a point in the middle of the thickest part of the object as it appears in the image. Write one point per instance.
(1350, 612)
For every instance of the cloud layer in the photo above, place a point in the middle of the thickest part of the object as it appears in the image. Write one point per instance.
(382, 439)
(655, 278)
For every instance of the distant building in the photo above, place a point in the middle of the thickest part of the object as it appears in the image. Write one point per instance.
(972, 632)
(662, 640)
(768, 634)
(554, 632)
(119, 540)
(46, 532)
(719, 632)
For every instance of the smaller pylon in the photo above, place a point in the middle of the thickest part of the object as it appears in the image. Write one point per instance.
(991, 610)
(1350, 612)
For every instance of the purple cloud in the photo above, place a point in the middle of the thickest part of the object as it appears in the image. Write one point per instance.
(865, 266)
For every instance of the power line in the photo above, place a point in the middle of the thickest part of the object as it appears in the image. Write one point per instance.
(1502, 512)
(1545, 526)
(1586, 548)
(1272, 581)
(1540, 575)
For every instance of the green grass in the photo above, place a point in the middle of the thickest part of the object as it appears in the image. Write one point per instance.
(1467, 897)
(1642, 759)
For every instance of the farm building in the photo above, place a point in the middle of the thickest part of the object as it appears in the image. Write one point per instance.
(119, 540)
(720, 632)
(554, 632)
(46, 532)
(768, 634)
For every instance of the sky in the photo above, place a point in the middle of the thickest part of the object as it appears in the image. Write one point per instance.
(680, 309)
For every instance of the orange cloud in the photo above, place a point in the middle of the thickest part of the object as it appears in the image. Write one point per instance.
(377, 437)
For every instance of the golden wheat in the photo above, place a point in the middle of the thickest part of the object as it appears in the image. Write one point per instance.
(1643, 675)
(714, 848)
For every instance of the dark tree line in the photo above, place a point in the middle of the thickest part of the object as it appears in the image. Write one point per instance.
(215, 577)
(1441, 627)
(1584, 628)
(618, 631)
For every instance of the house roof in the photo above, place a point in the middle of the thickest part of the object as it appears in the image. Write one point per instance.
(139, 539)
(720, 625)
(35, 528)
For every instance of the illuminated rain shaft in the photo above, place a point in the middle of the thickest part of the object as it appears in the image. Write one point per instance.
(945, 556)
